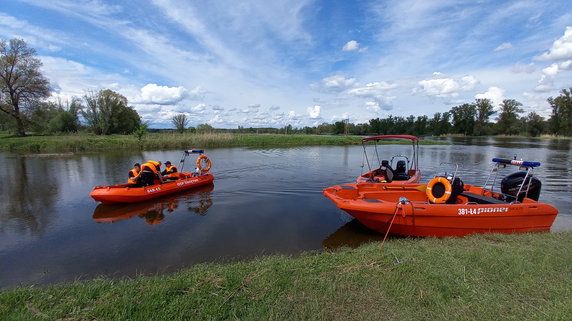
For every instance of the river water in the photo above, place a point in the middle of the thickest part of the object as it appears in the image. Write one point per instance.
(263, 201)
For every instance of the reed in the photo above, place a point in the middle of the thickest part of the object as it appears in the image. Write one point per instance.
(164, 141)
(482, 277)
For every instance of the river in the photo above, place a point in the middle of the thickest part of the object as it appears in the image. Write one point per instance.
(263, 201)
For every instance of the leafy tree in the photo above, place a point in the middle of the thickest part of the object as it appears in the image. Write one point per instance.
(66, 118)
(561, 119)
(339, 127)
(439, 124)
(507, 122)
(375, 126)
(21, 82)
(204, 128)
(534, 124)
(484, 108)
(420, 125)
(180, 122)
(106, 112)
(464, 118)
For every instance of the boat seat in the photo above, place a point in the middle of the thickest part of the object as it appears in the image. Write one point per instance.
(400, 172)
(480, 199)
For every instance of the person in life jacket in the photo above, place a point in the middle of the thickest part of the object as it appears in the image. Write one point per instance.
(134, 177)
(150, 172)
(171, 172)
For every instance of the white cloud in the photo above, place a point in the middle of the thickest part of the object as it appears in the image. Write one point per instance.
(372, 106)
(200, 108)
(314, 112)
(546, 82)
(335, 83)
(353, 45)
(372, 89)
(495, 94)
(561, 48)
(162, 95)
(504, 46)
(448, 87)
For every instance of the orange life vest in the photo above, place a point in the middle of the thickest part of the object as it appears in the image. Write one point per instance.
(172, 172)
(132, 180)
(152, 166)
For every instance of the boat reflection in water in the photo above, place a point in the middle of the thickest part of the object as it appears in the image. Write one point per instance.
(153, 212)
(352, 235)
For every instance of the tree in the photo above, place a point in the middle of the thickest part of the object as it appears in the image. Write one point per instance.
(484, 108)
(180, 122)
(534, 124)
(507, 122)
(66, 118)
(561, 119)
(21, 82)
(204, 128)
(464, 118)
(106, 112)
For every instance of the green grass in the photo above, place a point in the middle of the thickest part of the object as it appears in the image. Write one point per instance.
(162, 141)
(483, 277)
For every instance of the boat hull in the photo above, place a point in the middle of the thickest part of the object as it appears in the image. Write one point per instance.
(418, 217)
(126, 194)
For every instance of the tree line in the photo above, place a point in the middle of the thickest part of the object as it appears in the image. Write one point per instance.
(24, 107)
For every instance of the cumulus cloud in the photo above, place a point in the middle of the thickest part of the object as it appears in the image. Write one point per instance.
(372, 106)
(353, 45)
(162, 95)
(376, 94)
(546, 82)
(504, 46)
(447, 87)
(314, 112)
(561, 48)
(495, 94)
(335, 83)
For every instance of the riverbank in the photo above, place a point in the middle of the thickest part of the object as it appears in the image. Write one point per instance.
(482, 277)
(161, 141)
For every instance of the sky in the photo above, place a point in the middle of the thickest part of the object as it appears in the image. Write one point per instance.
(274, 63)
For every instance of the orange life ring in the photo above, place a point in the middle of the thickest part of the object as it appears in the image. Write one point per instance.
(446, 195)
(200, 166)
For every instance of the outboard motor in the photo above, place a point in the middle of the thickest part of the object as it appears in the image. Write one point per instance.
(511, 184)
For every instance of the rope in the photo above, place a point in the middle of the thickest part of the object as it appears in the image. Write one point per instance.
(397, 207)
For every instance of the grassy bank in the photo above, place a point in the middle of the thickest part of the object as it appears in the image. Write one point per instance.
(486, 277)
(160, 141)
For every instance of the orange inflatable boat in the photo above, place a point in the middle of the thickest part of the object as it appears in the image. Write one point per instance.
(126, 193)
(447, 207)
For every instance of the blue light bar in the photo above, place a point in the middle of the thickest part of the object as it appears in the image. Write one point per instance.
(516, 162)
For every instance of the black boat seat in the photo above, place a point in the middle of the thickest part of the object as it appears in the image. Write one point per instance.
(400, 172)
(480, 199)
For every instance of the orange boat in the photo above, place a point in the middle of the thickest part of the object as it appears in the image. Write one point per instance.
(153, 211)
(447, 207)
(126, 193)
(398, 170)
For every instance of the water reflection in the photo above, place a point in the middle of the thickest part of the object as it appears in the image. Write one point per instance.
(197, 201)
(30, 188)
(352, 234)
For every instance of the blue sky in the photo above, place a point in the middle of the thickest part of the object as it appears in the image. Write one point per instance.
(299, 62)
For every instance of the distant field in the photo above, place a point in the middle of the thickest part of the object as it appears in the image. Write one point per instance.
(161, 141)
